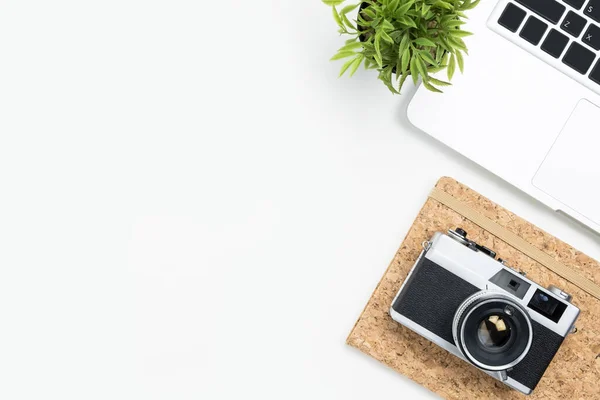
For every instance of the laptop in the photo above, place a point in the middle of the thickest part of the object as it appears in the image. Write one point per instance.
(527, 106)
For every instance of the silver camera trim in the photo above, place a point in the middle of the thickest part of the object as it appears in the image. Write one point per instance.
(488, 296)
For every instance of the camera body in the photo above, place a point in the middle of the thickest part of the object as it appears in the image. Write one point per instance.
(460, 297)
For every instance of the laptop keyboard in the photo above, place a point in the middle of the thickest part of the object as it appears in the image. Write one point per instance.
(566, 30)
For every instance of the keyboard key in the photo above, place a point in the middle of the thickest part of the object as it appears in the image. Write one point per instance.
(576, 4)
(579, 58)
(591, 37)
(511, 17)
(533, 30)
(595, 75)
(555, 43)
(592, 10)
(573, 24)
(549, 9)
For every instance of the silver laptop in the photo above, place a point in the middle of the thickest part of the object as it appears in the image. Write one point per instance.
(526, 107)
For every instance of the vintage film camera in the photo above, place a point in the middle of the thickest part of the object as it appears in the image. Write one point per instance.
(460, 297)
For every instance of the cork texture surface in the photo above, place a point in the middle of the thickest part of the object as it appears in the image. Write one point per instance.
(575, 371)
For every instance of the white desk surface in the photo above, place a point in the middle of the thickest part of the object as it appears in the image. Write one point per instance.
(194, 207)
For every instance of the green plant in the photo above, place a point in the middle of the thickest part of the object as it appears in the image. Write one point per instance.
(405, 37)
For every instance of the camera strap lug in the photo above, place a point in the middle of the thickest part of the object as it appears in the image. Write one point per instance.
(503, 376)
(573, 329)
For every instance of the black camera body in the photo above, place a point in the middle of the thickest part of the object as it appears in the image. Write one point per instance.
(460, 297)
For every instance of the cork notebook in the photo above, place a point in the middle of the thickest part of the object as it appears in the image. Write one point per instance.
(575, 371)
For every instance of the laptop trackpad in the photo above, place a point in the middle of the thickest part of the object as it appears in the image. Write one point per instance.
(571, 171)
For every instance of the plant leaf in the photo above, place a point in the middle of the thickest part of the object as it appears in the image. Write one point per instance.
(454, 23)
(386, 37)
(363, 23)
(386, 77)
(387, 25)
(426, 56)
(333, 2)
(422, 68)
(433, 70)
(443, 4)
(377, 58)
(405, 59)
(356, 64)
(370, 64)
(451, 67)
(445, 45)
(370, 13)
(459, 33)
(439, 82)
(402, 80)
(351, 45)
(393, 6)
(347, 9)
(347, 22)
(404, 43)
(346, 66)
(470, 6)
(337, 18)
(404, 20)
(413, 69)
(424, 42)
(403, 9)
(378, 45)
(439, 54)
(432, 88)
(445, 58)
(342, 54)
(458, 43)
(461, 62)
(397, 36)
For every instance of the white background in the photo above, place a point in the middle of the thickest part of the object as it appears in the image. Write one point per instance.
(193, 206)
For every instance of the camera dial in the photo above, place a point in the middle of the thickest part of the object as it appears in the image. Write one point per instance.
(460, 236)
(461, 232)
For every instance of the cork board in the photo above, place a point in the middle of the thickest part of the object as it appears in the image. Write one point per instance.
(575, 371)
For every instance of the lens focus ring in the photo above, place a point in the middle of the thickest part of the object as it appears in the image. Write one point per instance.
(487, 335)
(463, 307)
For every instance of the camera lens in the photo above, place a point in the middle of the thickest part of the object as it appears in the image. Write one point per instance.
(493, 332)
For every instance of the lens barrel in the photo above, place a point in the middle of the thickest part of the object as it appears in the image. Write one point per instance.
(492, 330)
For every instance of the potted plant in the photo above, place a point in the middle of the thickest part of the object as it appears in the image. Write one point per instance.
(404, 38)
